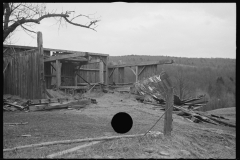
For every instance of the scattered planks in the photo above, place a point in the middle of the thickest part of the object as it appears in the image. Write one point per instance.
(205, 118)
(195, 116)
(15, 105)
(60, 105)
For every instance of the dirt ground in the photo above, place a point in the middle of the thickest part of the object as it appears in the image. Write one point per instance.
(188, 140)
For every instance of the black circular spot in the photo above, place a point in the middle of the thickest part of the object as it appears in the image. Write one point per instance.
(122, 122)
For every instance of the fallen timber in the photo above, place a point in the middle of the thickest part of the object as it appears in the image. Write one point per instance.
(156, 91)
(17, 106)
(59, 105)
(47, 104)
(199, 116)
(187, 106)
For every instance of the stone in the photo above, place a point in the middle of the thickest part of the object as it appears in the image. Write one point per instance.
(163, 153)
(149, 150)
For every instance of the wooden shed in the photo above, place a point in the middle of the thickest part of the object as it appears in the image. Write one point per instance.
(29, 71)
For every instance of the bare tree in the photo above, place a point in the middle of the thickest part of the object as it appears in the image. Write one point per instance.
(27, 15)
(182, 85)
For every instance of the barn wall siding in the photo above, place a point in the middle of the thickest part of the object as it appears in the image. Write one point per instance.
(22, 75)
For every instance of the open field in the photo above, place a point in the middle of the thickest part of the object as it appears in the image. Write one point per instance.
(188, 140)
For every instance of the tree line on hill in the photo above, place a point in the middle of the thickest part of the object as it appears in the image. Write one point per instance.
(214, 77)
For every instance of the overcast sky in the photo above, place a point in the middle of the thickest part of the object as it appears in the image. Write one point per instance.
(168, 29)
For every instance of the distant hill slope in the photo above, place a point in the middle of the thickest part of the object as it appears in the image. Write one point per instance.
(199, 62)
(199, 75)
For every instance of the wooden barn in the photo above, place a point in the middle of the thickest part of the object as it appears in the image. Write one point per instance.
(29, 71)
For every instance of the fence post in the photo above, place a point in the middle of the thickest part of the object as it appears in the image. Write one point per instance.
(41, 63)
(136, 73)
(168, 115)
(58, 73)
(101, 68)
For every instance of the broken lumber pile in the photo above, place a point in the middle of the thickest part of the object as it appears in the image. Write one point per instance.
(14, 104)
(61, 103)
(152, 91)
(201, 117)
(47, 104)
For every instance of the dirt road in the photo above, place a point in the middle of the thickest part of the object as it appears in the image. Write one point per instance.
(188, 140)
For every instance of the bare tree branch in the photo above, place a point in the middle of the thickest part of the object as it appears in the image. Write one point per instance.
(27, 29)
(85, 26)
(26, 13)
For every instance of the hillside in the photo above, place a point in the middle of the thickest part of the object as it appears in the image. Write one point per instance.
(198, 62)
(193, 76)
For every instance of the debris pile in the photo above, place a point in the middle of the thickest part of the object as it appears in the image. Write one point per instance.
(153, 90)
(15, 103)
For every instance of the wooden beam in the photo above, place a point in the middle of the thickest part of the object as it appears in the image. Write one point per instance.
(141, 70)
(84, 84)
(106, 73)
(133, 71)
(53, 58)
(53, 66)
(161, 62)
(75, 74)
(168, 116)
(111, 73)
(57, 50)
(101, 68)
(58, 73)
(80, 59)
(55, 76)
(136, 73)
(83, 79)
(5, 67)
(73, 87)
(94, 61)
(50, 75)
(130, 83)
(89, 69)
(41, 64)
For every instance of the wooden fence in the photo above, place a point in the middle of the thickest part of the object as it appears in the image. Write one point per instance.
(90, 72)
(22, 75)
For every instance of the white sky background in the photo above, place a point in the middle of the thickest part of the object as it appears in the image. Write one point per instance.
(169, 29)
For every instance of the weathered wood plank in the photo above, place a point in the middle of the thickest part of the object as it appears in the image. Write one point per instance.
(31, 74)
(11, 77)
(24, 76)
(78, 59)
(41, 64)
(34, 74)
(143, 64)
(58, 73)
(168, 116)
(101, 68)
(106, 69)
(15, 76)
(20, 76)
(54, 58)
(73, 87)
(136, 73)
